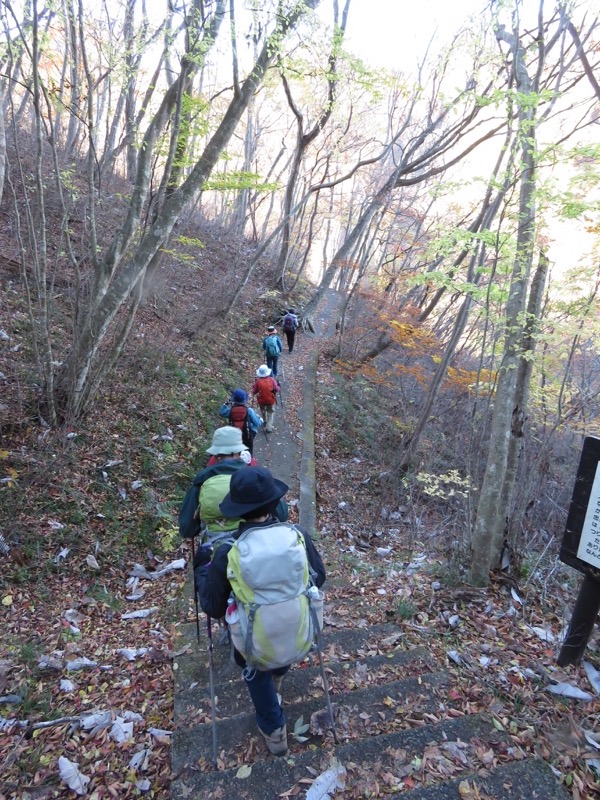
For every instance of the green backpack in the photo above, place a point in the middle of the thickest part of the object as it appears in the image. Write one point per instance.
(215, 527)
(271, 348)
(270, 577)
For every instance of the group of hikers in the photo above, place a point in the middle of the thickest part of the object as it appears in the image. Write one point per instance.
(253, 569)
(271, 343)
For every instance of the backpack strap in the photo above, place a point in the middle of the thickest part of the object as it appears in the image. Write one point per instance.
(252, 608)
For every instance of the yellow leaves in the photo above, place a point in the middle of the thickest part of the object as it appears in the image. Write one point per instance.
(403, 328)
(467, 379)
(387, 701)
(7, 600)
(4, 454)
(11, 476)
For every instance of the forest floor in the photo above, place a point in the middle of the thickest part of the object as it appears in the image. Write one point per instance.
(86, 685)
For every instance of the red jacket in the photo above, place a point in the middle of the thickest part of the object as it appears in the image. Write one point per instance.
(265, 390)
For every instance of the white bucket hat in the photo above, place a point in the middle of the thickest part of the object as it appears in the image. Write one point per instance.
(263, 371)
(226, 440)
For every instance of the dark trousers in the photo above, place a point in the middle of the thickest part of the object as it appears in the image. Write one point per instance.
(290, 336)
(249, 441)
(272, 364)
(269, 714)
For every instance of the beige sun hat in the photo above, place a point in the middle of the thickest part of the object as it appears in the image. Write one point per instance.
(226, 440)
(263, 371)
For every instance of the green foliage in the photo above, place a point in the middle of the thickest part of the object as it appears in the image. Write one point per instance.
(405, 609)
(190, 241)
(101, 594)
(238, 180)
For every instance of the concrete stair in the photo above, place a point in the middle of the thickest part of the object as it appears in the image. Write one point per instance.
(396, 729)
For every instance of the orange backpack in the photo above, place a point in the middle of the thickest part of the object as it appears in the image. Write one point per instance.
(266, 391)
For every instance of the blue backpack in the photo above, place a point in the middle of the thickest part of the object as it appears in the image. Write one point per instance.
(271, 348)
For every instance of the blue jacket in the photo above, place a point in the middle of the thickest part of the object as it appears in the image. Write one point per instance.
(254, 420)
(277, 342)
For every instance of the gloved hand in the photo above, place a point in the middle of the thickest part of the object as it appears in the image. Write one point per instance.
(203, 556)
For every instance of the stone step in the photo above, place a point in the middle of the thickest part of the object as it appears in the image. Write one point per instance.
(339, 645)
(301, 681)
(449, 752)
(529, 779)
(193, 745)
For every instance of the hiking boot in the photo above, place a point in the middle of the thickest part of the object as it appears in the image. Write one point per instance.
(276, 741)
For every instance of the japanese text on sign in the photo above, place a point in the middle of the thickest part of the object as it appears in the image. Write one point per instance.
(589, 544)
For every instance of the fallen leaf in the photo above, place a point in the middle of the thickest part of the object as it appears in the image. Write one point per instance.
(326, 784)
(81, 663)
(567, 690)
(544, 634)
(142, 613)
(140, 760)
(244, 771)
(593, 676)
(121, 731)
(70, 774)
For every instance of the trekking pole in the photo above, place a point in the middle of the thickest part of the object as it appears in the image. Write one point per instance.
(213, 711)
(315, 619)
(280, 389)
(195, 590)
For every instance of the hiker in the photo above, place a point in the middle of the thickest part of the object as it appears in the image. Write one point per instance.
(200, 513)
(290, 325)
(265, 389)
(240, 416)
(275, 562)
(272, 346)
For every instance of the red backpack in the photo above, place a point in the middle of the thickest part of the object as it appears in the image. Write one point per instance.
(266, 391)
(238, 417)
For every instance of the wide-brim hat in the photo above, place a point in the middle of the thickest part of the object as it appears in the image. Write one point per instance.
(271, 329)
(226, 440)
(239, 396)
(250, 488)
(263, 371)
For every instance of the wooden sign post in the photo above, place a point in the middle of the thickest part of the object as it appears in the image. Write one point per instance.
(581, 549)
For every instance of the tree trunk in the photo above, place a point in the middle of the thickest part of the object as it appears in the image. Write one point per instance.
(2, 144)
(491, 516)
(519, 414)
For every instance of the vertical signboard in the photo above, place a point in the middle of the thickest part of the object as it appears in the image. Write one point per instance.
(581, 549)
(581, 541)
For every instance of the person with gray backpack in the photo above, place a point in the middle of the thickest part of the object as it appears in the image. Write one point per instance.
(290, 324)
(266, 584)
